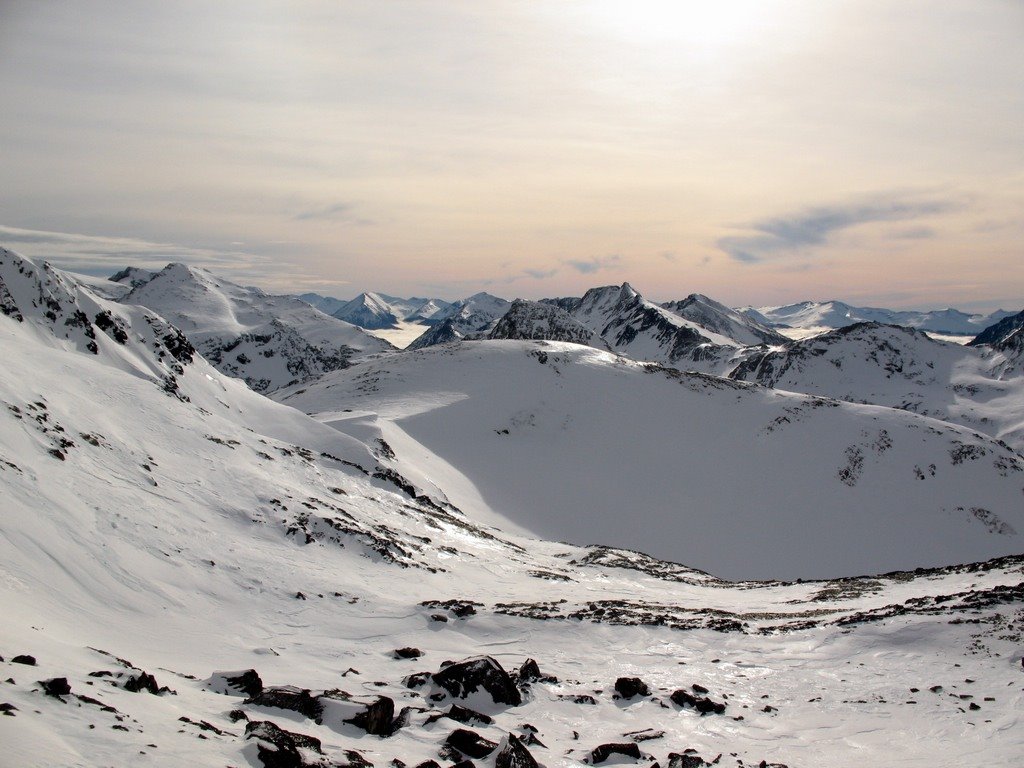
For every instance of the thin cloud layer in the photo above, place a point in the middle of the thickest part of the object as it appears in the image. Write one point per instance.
(788, 235)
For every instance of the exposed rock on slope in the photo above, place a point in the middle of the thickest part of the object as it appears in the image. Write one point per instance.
(268, 341)
(710, 314)
(899, 368)
(528, 320)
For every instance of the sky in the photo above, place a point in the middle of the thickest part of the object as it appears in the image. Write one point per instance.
(758, 151)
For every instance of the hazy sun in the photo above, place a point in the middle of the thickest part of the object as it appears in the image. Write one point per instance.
(709, 23)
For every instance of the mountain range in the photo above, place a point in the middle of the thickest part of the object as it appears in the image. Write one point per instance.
(428, 557)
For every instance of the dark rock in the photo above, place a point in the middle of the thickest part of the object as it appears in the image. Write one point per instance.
(579, 698)
(288, 697)
(56, 687)
(464, 764)
(687, 759)
(697, 688)
(417, 680)
(974, 707)
(514, 755)
(461, 715)
(702, 704)
(245, 682)
(143, 682)
(408, 653)
(428, 764)
(532, 741)
(604, 751)
(8, 709)
(529, 671)
(236, 714)
(470, 743)
(443, 620)
(356, 760)
(377, 719)
(629, 687)
(278, 748)
(24, 658)
(465, 677)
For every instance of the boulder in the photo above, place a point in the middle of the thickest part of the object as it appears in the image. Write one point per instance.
(378, 719)
(483, 672)
(245, 682)
(288, 697)
(278, 748)
(56, 687)
(470, 743)
(601, 753)
(702, 704)
(514, 754)
(630, 687)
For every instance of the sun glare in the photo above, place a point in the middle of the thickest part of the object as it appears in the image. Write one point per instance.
(706, 24)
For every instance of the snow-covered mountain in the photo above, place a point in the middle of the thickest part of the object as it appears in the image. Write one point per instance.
(473, 318)
(900, 368)
(326, 304)
(836, 314)
(426, 311)
(475, 314)
(1000, 332)
(269, 341)
(633, 326)
(532, 320)
(714, 316)
(564, 441)
(195, 575)
(367, 310)
(444, 332)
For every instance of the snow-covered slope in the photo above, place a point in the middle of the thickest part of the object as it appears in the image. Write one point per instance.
(326, 304)
(576, 444)
(900, 368)
(367, 310)
(836, 314)
(715, 316)
(999, 333)
(269, 341)
(186, 532)
(531, 320)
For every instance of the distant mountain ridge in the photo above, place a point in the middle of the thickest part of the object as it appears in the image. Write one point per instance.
(836, 314)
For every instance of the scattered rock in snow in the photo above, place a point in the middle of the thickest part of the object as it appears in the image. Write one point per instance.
(470, 743)
(630, 687)
(466, 677)
(242, 682)
(601, 753)
(512, 753)
(24, 658)
(56, 687)
(702, 704)
(288, 697)
(407, 653)
(278, 748)
(378, 719)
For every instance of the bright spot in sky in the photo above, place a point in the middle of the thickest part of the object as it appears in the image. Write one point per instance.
(707, 24)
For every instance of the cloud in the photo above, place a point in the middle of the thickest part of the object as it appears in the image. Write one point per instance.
(343, 212)
(785, 235)
(101, 256)
(540, 274)
(595, 264)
